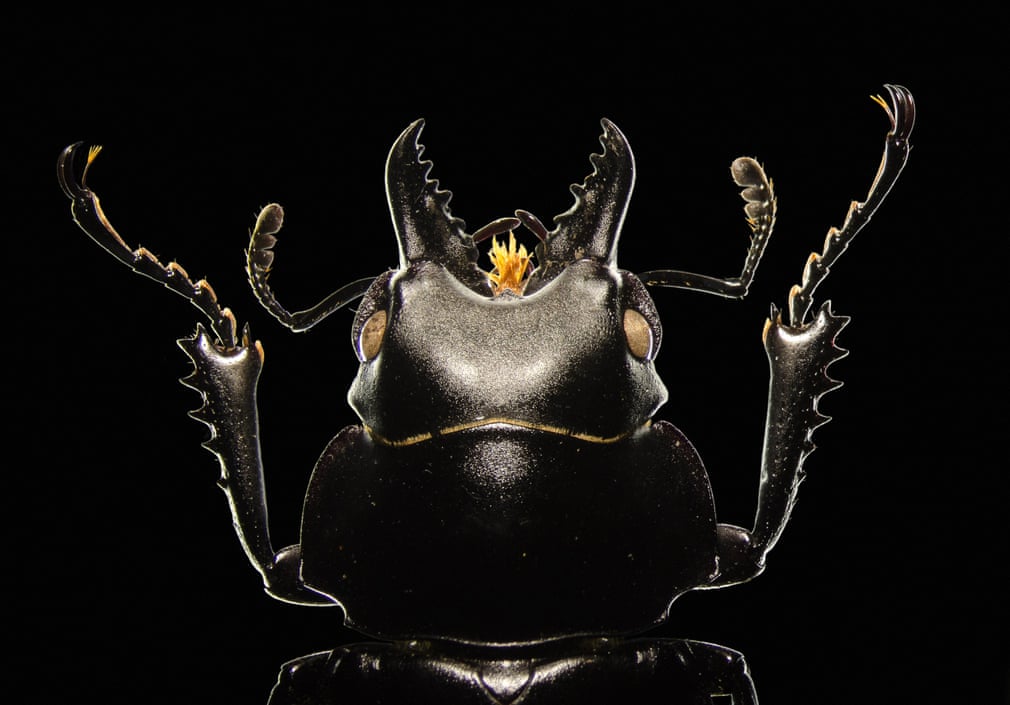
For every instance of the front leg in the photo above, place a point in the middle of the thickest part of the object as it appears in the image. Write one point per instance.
(799, 358)
(226, 379)
(226, 372)
(799, 354)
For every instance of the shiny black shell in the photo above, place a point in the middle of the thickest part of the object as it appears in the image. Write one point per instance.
(506, 535)
(507, 485)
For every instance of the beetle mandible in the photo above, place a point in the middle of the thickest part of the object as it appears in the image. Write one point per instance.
(506, 537)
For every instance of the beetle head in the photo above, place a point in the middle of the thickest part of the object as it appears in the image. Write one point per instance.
(441, 352)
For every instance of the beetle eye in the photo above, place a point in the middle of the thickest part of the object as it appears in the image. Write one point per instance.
(639, 334)
(371, 335)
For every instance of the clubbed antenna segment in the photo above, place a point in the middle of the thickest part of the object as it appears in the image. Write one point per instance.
(259, 265)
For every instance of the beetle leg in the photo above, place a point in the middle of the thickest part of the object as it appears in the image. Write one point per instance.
(88, 215)
(901, 113)
(760, 209)
(799, 354)
(259, 262)
(226, 372)
(799, 359)
(226, 381)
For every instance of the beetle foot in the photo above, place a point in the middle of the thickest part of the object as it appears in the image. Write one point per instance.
(901, 114)
(88, 214)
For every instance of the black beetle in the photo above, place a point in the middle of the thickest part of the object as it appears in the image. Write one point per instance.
(508, 516)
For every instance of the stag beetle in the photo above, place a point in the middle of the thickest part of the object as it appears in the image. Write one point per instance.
(506, 538)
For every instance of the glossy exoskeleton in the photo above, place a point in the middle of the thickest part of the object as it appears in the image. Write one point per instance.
(505, 535)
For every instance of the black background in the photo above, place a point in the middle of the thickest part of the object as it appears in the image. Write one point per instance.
(125, 582)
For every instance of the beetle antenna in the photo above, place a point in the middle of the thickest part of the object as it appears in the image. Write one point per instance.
(259, 264)
(760, 208)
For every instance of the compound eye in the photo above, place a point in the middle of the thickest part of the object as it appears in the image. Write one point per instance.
(370, 339)
(638, 333)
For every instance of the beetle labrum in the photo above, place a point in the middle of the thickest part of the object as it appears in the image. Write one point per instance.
(508, 541)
